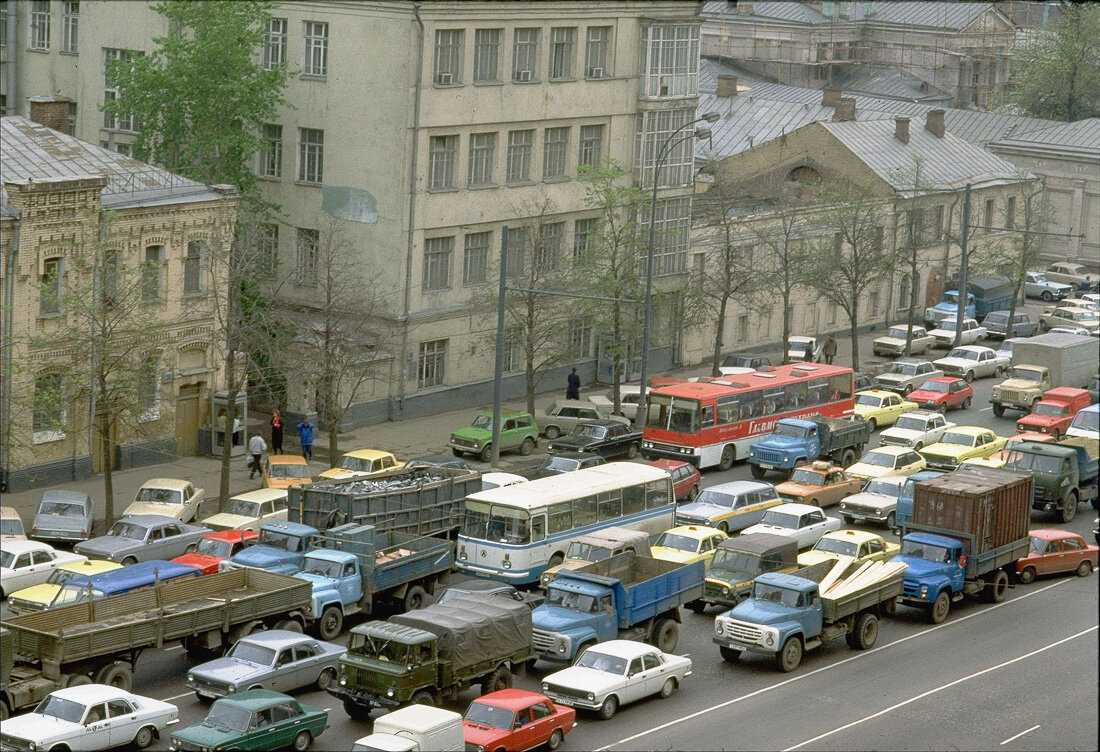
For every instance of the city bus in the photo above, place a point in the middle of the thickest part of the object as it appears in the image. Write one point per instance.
(514, 533)
(712, 422)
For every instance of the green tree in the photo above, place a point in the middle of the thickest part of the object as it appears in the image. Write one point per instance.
(1057, 72)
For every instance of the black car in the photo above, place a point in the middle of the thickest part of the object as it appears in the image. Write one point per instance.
(607, 438)
(566, 462)
(478, 588)
(863, 380)
(755, 362)
(437, 460)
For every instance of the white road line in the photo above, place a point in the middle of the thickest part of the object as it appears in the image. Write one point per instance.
(1011, 738)
(922, 695)
(178, 697)
(839, 663)
(985, 409)
(174, 647)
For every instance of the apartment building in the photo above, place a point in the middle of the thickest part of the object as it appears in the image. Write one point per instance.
(425, 129)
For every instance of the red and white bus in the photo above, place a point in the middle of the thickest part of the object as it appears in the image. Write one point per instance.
(712, 423)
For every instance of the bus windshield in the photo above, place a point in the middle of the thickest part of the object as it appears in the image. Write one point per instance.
(674, 414)
(496, 523)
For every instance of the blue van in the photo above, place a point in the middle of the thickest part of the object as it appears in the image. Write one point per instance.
(119, 581)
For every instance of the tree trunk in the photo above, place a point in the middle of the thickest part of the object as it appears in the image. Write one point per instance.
(853, 322)
(786, 324)
(914, 288)
(230, 420)
(720, 327)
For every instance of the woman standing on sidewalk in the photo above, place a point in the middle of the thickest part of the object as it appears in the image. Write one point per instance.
(276, 432)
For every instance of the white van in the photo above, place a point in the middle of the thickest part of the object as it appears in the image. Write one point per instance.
(415, 728)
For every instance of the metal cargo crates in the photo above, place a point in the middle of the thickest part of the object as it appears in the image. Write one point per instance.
(990, 505)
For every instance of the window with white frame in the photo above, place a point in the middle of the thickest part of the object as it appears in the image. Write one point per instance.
(671, 61)
(72, 118)
(549, 246)
(148, 385)
(482, 154)
(267, 248)
(271, 154)
(487, 55)
(519, 155)
(905, 287)
(579, 343)
(152, 274)
(525, 55)
(937, 223)
(311, 155)
(517, 252)
(987, 220)
(437, 263)
(308, 246)
(70, 27)
(192, 267)
(583, 232)
(441, 162)
(671, 235)
(275, 43)
(595, 52)
(591, 151)
(654, 129)
(315, 34)
(448, 57)
(563, 43)
(40, 25)
(555, 146)
(49, 416)
(431, 363)
(50, 286)
(513, 348)
(112, 58)
(475, 258)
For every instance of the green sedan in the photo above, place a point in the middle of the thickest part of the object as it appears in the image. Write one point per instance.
(254, 720)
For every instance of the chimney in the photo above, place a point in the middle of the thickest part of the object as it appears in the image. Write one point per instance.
(845, 110)
(52, 112)
(727, 86)
(933, 122)
(901, 129)
(830, 97)
(744, 7)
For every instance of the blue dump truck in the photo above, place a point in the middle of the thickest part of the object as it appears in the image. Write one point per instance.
(796, 441)
(968, 529)
(948, 308)
(789, 614)
(985, 294)
(355, 566)
(279, 549)
(641, 602)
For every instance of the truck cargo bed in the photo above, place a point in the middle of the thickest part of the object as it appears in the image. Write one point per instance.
(835, 609)
(987, 508)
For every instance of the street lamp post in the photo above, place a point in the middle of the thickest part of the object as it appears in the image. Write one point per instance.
(666, 147)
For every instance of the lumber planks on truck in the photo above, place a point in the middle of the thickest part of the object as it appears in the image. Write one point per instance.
(866, 576)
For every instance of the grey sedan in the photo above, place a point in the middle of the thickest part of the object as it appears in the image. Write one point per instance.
(144, 537)
(63, 516)
(279, 660)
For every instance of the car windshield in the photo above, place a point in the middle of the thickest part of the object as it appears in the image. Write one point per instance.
(834, 546)
(593, 659)
(897, 332)
(322, 568)
(786, 429)
(883, 487)
(7, 558)
(717, 498)
(160, 495)
(877, 459)
(483, 421)
(579, 602)
(61, 576)
(11, 527)
(948, 325)
(560, 464)
(288, 471)
(500, 523)
(215, 547)
(780, 519)
(589, 431)
(380, 648)
(60, 708)
(1050, 409)
(808, 477)
(774, 594)
(62, 509)
(1087, 419)
(123, 529)
(926, 551)
(253, 653)
(735, 561)
(1028, 374)
(228, 716)
(1038, 546)
(868, 400)
(1084, 315)
(355, 464)
(70, 593)
(678, 542)
(281, 541)
(799, 346)
(962, 439)
(911, 423)
(484, 714)
(243, 507)
(1036, 463)
(936, 387)
(958, 352)
(587, 552)
(905, 369)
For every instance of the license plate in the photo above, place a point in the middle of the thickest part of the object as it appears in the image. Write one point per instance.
(767, 467)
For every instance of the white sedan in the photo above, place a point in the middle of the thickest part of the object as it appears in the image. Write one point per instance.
(973, 361)
(24, 564)
(916, 429)
(89, 717)
(803, 522)
(171, 497)
(615, 673)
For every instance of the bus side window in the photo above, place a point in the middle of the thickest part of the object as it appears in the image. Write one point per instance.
(538, 528)
(752, 404)
(796, 395)
(840, 386)
(584, 511)
(708, 416)
(775, 400)
(610, 506)
(729, 410)
(633, 500)
(561, 518)
(818, 393)
(657, 493)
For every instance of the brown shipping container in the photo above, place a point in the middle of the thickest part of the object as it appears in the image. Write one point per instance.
(993, 505)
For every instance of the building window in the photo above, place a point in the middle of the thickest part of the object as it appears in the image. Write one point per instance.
(553, 153)
(275, 43)
(563, 41)
(448, 57)
(309, 242)
(475, 260)
(743, 327)
(987, 220)
(147, 387)
(271, 155)
(112, 270)
(49, 414)
(671, 61)
(40, 25)
(655, 128)
(72, 118)
(482, 150)
(112, 57)
(519, 155)
(192, 268)
(525, 55)
(517, 250)
(915, 227)
(672, 221)
(430, 365)
(311, 155)
(875, 300)
(580, 339)
(49, 298)
(70, 26)
(316, 48)
(595, 52)
(583, 232)
(830, 313)
(905, 289)
(513, 348)
(487, 56)
(437, 263)
(937, 223)
(267, 248)
(1010, 212)
(591, 145)
(549, 249)
(152, 273)
(441, 162)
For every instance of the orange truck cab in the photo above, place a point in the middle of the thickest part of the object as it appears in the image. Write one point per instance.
(1054, 412)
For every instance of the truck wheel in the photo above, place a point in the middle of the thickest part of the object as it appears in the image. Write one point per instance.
(697, 606)
(487, 453)
(890, 607)
(728, 456)
(423, 697)
(289, 625)
(940, 607)
(998, 409)
(788, 659)
(729, 655)
(1069, 508)
(415, 597)
(866, 633)
(117, 675)
(456, 452)
(331, 623)
(552, 432)
(144, 737)
(357, 712)
(302, 741)
(1084, 569)
(498, 680)
(1027, 576)
(609, 707)
(997, 588)
(527, 446)
(666, 633)
(757, 471)
(77, 680)
(891, 521)
(4, 712)
(632, 450)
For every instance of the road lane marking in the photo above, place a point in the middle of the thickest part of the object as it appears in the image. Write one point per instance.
(1011, 738)
(942, 687)
(984, 409)
(177, 697)
(839, 663)
(174, 647)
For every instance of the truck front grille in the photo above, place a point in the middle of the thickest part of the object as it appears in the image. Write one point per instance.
(714, 591)
(910, 589)
(743, 632)
(543, 641)
(767, 456)
(1012, 395)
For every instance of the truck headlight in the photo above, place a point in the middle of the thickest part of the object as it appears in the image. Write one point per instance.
(462, 556)
(769, 640)
(786, 458)
(725, 591)
(717, 627)
(507, 564)
(561, 647)
(923, 591)
(343, 681)
(389, 692)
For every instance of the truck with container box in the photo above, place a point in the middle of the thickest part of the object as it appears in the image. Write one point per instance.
(796, 441)
(789, 614)
(638, 602)
(968, 528)
(1041, 363)
(1064, 473)
(101, 640)
(423, 657)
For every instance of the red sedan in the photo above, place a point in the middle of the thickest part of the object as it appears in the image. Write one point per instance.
(685, 478)
(1054, 552)
(943, 393)
(511, 720)
(215, 547)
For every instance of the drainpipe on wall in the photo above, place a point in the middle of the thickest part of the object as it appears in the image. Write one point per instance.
(10, 41)
(9, 290)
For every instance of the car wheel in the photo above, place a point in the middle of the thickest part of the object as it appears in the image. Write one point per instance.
(997, 372)
(632, 450)
(891, 521)
(1046, 296)
(1084, 569)
(609, 708)
(144, 737)
(1043, 326)
(908, 389)
(555, 739)
(1027, 576)
(527, 446)
(848, 520)
(1055, 434)
(724, 527)
(326, 678)
(190, 549)
(969, 376)
(668, 688)
(487, 453)
(693, 494)
(302, 741)
(873, 423)
(552, 432)
(129, 560)
(966, 404)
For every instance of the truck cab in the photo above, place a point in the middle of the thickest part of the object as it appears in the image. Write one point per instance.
(782, 606)
(1054, 412)
(336, 582)
(949, 308)
(935, 571)
(1021, 390)
(280, 549)
(793, 442)
(388, 663)
(576, 613)
(1065, 474)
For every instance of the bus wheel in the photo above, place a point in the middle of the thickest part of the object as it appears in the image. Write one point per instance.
(728, 456)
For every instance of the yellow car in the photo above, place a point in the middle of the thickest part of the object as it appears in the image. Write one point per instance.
(1000, 458)
(962, 443)
(881, 408)
(856, 544)
(285, 471)
(363, 463)
(40, 597)
(687, 543)
(887, 460)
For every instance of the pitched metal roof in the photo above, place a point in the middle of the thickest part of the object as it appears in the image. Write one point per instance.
(933, 15)
(892, 83)
(779, 11)
(1081, 137)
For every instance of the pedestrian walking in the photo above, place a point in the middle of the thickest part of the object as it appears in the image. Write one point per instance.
(256, 447)
(276, 432)
(573, 390)
(809, 356)
(829, 350)
(305, 438)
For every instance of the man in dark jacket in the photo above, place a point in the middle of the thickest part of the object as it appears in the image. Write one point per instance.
(573, 390)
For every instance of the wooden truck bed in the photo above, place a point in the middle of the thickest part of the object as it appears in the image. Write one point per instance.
(883, 590)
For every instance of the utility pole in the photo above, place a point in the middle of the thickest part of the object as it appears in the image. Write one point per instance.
(498, 368)
(960, 316)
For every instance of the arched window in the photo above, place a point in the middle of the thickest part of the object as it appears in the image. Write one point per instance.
(804, 174)
(49, 413)
(905, 288)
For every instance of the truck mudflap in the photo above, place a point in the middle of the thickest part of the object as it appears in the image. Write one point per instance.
(363, 699)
